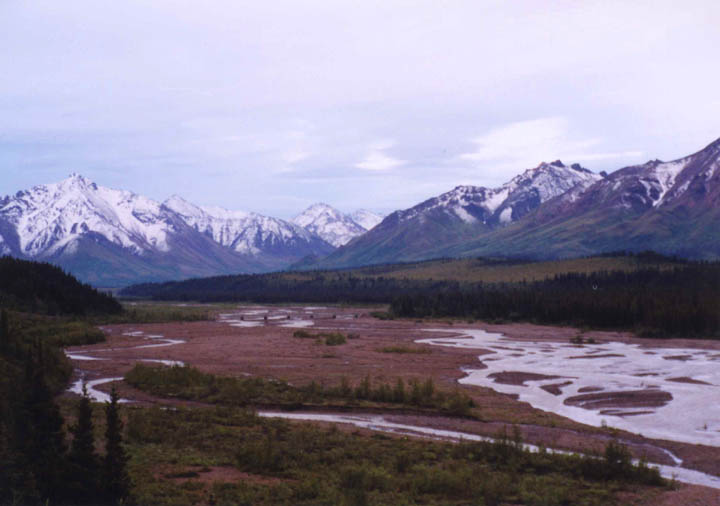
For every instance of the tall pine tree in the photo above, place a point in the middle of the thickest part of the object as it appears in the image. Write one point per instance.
(39, 435)
(84, 475)
(4, 332)
(116, 483)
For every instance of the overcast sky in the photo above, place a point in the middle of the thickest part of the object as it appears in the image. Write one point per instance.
(270, 106)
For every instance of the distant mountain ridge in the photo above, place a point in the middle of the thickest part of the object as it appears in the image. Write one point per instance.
(335, 227)
(115, 237)
(556, 211)
(249, 233)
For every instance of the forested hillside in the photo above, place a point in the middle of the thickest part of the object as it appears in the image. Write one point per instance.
(683, 301)
(44, 288)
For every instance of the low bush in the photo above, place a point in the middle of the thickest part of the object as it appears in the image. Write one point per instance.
(292, 463)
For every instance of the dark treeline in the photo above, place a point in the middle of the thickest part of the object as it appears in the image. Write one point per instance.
(335, 287)
(658, 299)
(681, 301)
(43, 288)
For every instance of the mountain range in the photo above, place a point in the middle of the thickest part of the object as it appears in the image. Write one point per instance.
(111, 237)
(558, 211)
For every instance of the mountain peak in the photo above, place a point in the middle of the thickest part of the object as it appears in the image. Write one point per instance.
(320, 205)
(547, 165)
(77, 180)
(181, 206)
(332, 225)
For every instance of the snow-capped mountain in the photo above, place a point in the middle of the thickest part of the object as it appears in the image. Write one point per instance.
(691, 182)
(509, 202)
(249, 233)
(366, 219)
(50, 219)
(669, 207)
(114, 237)
(558, 211)
(333, 226)
(459, 215)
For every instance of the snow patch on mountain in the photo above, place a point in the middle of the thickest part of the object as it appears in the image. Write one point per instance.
(464, 215)
(496, 199)
(665, 176)
(4, 248)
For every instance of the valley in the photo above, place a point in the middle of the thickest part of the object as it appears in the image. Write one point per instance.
(317, 253)
(495, 365)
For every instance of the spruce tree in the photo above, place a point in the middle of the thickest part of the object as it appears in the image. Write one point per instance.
(84, 463)
(4, 332)
(116, 483)
(39, 434)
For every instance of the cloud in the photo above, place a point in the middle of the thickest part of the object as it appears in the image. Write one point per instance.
(377, 160)
(532, 140)
(517, 146)
(230, 98)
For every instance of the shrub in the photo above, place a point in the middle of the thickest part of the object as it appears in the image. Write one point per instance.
(334, 339)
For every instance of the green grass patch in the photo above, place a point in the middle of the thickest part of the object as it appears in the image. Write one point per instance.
(327, 338)
(160, 313)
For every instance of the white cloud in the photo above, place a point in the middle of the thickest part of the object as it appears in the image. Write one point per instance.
(377, 160)
(510, 148)
(527, 141)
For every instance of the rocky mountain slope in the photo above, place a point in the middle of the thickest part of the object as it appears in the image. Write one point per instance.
(670, 207)
(460, 215)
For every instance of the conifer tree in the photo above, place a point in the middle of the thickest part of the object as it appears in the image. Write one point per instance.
(4, 331)
(39, 432)
(84, 462)
(116, 483)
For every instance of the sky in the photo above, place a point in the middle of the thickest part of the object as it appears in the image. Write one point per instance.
(270, 106)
